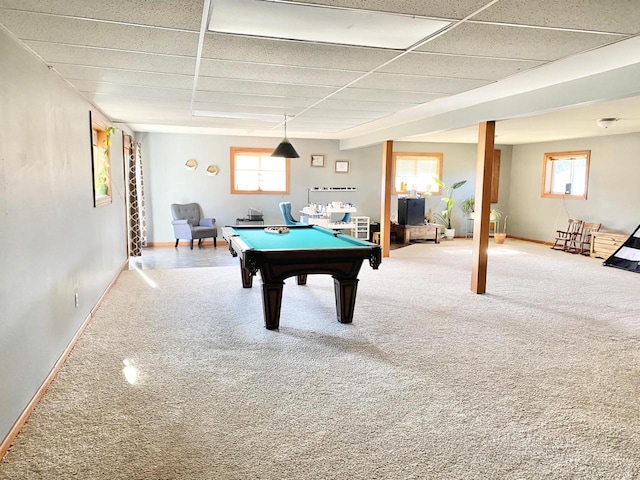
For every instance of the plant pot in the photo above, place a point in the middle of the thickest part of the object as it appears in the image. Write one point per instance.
(499, 237)
(449, 233)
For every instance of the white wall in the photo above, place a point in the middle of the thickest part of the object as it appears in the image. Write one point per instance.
(168, 181)
(459, 163)
(613, 194)
(53, 242)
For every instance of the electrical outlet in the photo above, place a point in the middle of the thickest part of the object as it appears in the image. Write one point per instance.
(77, 300)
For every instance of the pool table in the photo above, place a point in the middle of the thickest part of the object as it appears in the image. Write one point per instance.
(304, 250)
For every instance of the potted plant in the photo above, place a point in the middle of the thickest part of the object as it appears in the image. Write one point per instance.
(102, 180)
(468, 206)
(500, 237)
(445, 216)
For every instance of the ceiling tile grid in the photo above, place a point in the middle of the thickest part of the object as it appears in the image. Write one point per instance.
(138, 59)
(96, 57)
(522, 43)
(278, 73)
(72, 31)
(180, 14)
(124, 77)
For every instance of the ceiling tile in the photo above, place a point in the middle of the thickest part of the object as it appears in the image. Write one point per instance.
(366, 106)
(388, 95)
(454, 9)
(320, 111)
(47, 28)
(262, 88)
(284, 52)
(131, 90)
(74, 55)
(139, 103)
(114, 75)
(277, 73)
(223, 97)
(457, 66)
(416, 83)
(185, 14)
(259, 110)
(621, 16)
(515, 42)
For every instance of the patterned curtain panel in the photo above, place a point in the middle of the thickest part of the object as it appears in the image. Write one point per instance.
(142, 214)
(135, 198)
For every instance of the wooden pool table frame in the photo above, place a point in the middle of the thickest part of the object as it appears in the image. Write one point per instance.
(275, 265)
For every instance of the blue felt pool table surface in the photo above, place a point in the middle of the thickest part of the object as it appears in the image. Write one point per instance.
(312, 237)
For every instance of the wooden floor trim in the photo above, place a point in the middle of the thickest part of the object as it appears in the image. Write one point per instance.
(219, 241)
(22, 419)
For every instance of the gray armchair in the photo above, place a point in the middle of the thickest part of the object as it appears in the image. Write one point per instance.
(189, 225)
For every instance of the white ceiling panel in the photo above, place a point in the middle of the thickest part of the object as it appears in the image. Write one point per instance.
(343, 113)
(71, 31)
(277, 73)
(258, 110)
(454, 9)
(138, 60)
(114, 75)
(516, 42)
(284, 52)
(74, 55)
(133, 102)
(262, 88)
(621, 16)
(131, 90)
(355, 105)
(457, 66)
(381, 95)
(262, 100)
(183, 14)
(417, 83)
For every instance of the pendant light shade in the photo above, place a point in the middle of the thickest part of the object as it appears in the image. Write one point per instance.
(285, 149)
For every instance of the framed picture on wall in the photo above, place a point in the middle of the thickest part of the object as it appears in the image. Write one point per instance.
(342, 166)
(317, 160)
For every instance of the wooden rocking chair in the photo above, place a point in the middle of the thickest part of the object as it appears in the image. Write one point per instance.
(582, 243)
(565, 239)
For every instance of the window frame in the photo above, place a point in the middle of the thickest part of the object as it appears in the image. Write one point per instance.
(100, 159)
(547, 173)
(438, 156)
(233, 151)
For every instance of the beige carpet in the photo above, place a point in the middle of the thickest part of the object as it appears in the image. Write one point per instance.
(538, 379)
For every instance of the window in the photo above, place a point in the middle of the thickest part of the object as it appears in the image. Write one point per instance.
(254, 170)
(415, 171)
(101, 161)
(566, 174)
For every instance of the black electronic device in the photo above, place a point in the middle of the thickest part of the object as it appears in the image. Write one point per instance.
(411, 211)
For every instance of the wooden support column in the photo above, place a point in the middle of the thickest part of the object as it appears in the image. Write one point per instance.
(484, 166)
(385, 207)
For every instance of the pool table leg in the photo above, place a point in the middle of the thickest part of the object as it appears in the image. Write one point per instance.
(247, 278)
(271, 302)
(345, 298)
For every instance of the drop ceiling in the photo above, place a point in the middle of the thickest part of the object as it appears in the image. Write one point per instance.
(236, 66)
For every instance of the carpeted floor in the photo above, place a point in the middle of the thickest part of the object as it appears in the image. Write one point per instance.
(537, 379)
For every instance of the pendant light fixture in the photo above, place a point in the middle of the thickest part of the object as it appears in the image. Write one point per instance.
(285, 149)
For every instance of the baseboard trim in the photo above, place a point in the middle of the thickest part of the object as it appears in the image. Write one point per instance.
(541, 242)
(219, 241)
(22, 419)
